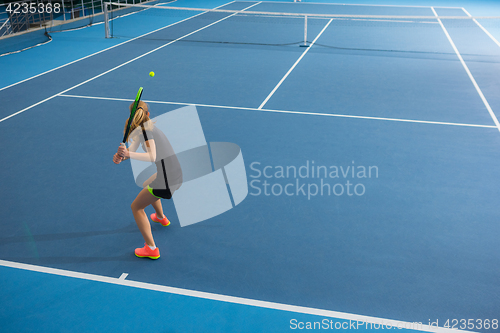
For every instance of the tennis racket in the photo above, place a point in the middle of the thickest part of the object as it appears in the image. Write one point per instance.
(132, 115)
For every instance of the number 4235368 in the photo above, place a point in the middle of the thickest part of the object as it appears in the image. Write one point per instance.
(471, 324)
(32, 8)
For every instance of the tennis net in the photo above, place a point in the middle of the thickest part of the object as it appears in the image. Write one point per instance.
(248, 25)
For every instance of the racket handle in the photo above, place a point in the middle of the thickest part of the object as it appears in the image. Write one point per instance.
(124, 146)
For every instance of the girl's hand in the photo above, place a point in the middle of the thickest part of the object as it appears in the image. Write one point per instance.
(117, 158)
(123, 152)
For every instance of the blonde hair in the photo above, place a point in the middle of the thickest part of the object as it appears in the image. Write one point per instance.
(141, 118)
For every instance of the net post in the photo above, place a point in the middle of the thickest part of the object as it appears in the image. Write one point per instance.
(305, 32)
(63, 10)
(106, 19)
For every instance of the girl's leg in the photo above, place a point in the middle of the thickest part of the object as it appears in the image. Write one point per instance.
(157, 204)
(144, 199)
(158, 209)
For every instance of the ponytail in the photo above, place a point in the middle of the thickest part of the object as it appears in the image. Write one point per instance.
(140, 118)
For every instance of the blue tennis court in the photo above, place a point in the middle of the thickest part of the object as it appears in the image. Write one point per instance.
(370, 157)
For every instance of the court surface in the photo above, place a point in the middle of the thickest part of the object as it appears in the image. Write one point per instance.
(402, 228)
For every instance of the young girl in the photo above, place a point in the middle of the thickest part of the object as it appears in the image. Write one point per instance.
(161, 185)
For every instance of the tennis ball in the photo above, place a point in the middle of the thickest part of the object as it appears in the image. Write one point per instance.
(151, 74)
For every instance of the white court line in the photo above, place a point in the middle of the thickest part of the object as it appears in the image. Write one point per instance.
(123, 276)
(486, 104)
(109, 48)
(168, 3)
(486, 31)
(227, 299)
(125, 63)
(4, 24)
(295, 64)
(285, 111)
(356, 4)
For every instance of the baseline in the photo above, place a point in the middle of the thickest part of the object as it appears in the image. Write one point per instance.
(227, 299)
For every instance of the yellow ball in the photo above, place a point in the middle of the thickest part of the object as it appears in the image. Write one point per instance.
(151, 74)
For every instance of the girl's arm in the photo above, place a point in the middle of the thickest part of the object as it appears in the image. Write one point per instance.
(149, 156)
(133, 147)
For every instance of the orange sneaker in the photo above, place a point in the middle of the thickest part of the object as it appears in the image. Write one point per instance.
(146, 252)
(163, 222)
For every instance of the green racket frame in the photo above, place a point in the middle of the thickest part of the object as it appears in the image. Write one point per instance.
(132, 114)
